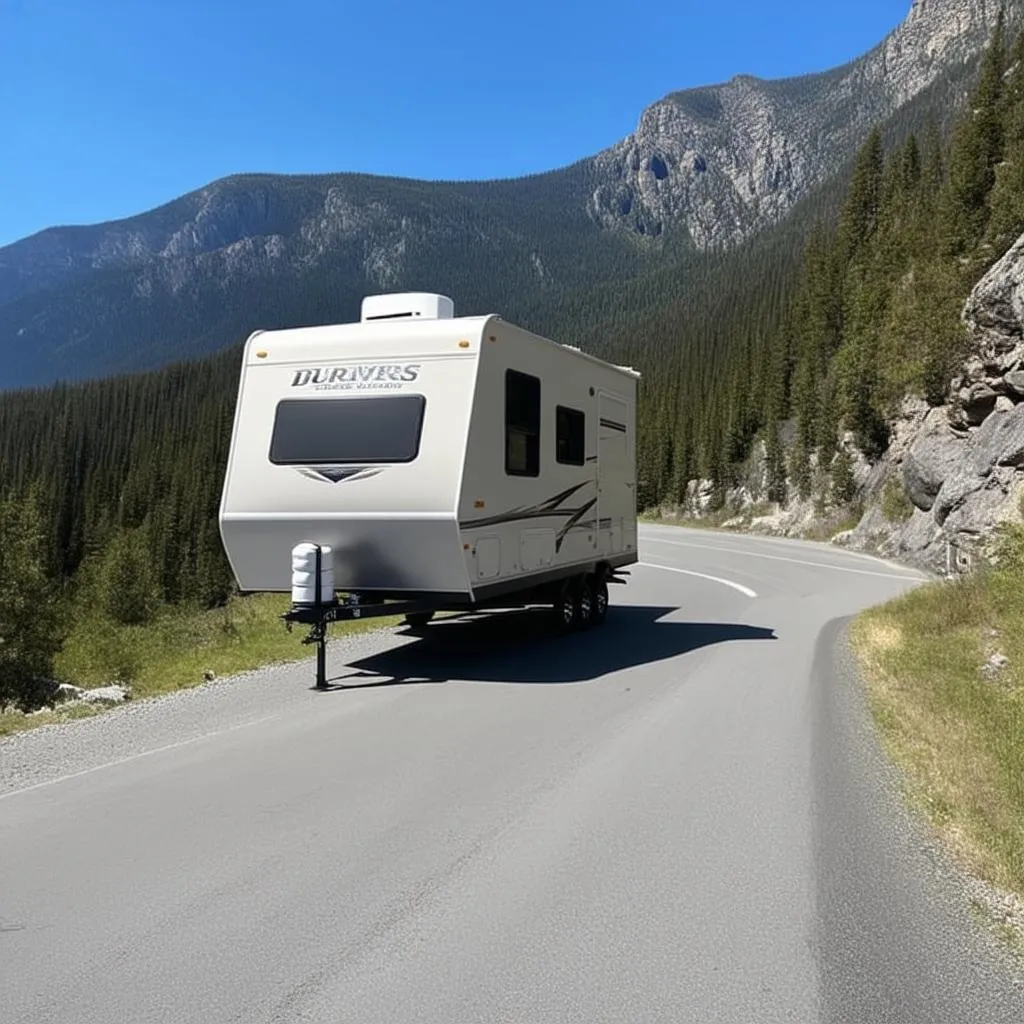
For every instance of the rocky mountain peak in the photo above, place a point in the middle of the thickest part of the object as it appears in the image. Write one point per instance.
(725, 161)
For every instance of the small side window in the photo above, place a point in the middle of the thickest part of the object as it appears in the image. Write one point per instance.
(522, 424)
(570, 436)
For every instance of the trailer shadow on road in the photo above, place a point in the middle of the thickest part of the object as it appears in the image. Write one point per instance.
(519, 647)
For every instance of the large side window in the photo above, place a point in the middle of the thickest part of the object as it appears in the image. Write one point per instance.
(522, 424)
(570, 436)
(325, 431)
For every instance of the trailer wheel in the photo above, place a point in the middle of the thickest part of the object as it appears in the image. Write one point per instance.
(416, 622)
(599, 610)
(585, 602)
(563, 608)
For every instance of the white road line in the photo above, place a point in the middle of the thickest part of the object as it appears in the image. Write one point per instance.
(780, 558)
(770, 540)
(136, 757)
(700, 575)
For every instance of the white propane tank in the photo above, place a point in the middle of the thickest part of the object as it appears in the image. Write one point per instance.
(304, 574)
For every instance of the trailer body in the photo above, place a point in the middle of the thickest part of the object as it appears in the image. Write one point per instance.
(449, 461)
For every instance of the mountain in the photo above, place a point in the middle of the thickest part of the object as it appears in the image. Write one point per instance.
(886, 392)
(724, 161)
(705, 168)
(785, 370)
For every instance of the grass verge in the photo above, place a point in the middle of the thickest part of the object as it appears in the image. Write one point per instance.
(952, 720)
(176, 650)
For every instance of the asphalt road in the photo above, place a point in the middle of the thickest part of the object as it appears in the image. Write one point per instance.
(681, 817)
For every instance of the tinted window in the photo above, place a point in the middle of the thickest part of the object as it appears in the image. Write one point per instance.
(522, 424)
(570, 436)
(321, 431)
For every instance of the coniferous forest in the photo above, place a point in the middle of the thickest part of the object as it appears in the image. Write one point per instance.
(871, 314)
(110, 489)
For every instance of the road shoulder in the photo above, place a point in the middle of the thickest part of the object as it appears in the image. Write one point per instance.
(894, 936)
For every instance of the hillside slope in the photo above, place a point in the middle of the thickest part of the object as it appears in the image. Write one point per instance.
(705, 167)
(895, 391)
(728, 160)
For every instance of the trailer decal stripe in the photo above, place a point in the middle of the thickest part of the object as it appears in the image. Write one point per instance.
(543, 510)
(613, 425)
(577, 516)
(546, 510)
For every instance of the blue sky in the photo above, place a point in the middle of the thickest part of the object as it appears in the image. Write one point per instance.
(112, 107)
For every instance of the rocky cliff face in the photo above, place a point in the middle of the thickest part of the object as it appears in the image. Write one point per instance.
(725, 161)
(962, 465)
(952, 473)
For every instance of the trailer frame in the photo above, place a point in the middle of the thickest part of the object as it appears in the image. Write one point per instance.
(566, 597)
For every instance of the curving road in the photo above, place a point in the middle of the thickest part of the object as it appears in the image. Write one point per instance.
(680, 817)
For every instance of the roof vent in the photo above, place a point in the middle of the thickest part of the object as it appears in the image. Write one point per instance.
(407, 306)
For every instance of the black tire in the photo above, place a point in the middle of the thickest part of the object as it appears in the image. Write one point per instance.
(417, 622)
(600, 608)
(584, 605)
(563, 607)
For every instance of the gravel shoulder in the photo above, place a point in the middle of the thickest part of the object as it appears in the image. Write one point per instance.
(883, 874)
(142, 727)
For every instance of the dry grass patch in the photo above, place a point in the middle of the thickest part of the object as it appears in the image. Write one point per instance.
(175, 651)
(956, 729)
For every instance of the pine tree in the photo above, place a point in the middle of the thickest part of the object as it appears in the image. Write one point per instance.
(975, 152)
(1007, 200)
(127, 587)
(843, 483)
(775, 466)
(860, 212)
(31, 634)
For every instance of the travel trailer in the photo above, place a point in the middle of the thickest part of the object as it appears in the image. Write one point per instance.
(418, 462)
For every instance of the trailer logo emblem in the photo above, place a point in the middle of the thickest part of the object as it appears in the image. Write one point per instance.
(365, 376)
(336, 474)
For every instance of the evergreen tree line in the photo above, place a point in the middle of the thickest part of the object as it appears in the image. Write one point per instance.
(109, 490)
(109, 505)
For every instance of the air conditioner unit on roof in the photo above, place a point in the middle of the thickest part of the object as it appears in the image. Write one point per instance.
(407, 306)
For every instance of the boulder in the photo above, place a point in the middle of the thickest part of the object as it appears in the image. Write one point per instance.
(974, 510)
(917, 535)
(999, 442)
(1014, 382)
(113, 694)
(957, 488)
(972, 496)
(977, 402)
(932, 459)
(994, 313)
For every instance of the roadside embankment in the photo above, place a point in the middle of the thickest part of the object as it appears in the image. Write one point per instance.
(944, 672)
(102, 663)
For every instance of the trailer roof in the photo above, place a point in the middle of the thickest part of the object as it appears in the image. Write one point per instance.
(441, 326)
(628, 370)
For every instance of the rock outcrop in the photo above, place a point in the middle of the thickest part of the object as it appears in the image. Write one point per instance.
(50, 694)
(963, 469)
(952, 473)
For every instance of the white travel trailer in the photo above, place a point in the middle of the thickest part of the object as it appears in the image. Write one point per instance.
(446, 463)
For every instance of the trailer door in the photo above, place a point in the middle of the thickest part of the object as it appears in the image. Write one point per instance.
(614, 497)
